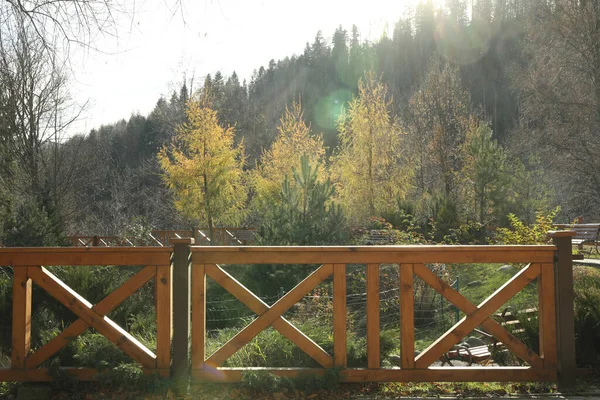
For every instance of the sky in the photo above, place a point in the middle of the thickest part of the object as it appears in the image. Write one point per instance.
(165, 41)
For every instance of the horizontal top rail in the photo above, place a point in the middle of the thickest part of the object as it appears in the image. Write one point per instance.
(16, 256)
(371, 254)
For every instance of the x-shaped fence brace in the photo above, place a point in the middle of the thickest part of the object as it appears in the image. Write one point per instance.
(478, 316)
(475, 316)
(269, 315)
(95, 315)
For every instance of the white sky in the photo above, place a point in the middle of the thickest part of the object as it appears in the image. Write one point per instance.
(154, 53)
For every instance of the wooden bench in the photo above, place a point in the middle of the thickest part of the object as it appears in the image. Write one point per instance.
(584, 234)
(380, 237)
(482, 354)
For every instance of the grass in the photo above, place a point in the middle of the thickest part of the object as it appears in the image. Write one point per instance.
(262, 387)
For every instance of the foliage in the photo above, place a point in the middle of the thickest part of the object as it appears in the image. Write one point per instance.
(294, 138)
(304, 213)
(520, 233)
(469, 233)
(138, 231)
(35, 223)
(438, 114)
(268, 382)
(587, 316)
(485, 173)
(271, 349)
(369, 171)
(203, 169)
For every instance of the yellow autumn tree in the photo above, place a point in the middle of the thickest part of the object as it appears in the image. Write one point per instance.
(369, 171)
(293, 140)
(203, 169)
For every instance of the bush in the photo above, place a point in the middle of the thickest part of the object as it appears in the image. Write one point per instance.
(587, 316)
(521, 233)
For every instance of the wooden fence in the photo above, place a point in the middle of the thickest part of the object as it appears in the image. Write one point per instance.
(550, 265)
(222, 237)
(28, 268)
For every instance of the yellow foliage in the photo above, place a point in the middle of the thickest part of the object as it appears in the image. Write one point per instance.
(369, 171)
(203, 169)
(293, 140)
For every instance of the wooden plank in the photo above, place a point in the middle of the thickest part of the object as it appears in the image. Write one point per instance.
(21, 321)
(182, 307)
(493, 327)
(282, 325)
(109, 303)
(484, 310)
(407, 316)
(82, 308)
(373, 322)
(371, 254)
(73, 256)
(270, 316)
(339, 315)
(164, 316)
(449, 374)
(565, 313)
(198, 316)
(547, 316)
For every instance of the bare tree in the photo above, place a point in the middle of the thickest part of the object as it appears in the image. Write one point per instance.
(561, 97)
(35, 106)
(62, 22)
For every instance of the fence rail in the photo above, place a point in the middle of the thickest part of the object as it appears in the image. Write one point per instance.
(410, 260)
(181, 308)
(28, 269)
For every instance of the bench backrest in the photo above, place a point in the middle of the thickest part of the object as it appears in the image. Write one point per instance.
(582, 231)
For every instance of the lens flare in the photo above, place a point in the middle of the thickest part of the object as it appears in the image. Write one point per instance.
(464, 45)
(328, 109)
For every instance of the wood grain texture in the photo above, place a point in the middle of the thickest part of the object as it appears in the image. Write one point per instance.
(373, 321)
(266, 319)
(339, 315)
(370, 254)
(282, 325)
(484, 310)
(198, 316)
(82, 308)
(547, 316)
(109, 303)
(164, 316)
(407, 316)
(493, 327)
(21, 321)
(74, 256)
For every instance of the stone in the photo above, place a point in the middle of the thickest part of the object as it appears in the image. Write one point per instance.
(506, 268)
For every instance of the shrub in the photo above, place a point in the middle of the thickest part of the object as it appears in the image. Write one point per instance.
(587, 316)
(521, 233)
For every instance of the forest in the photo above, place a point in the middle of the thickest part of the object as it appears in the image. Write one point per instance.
(456, 120)
(475, 122)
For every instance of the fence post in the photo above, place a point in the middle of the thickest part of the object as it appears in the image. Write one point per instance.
(565, 313)
(181, 307)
